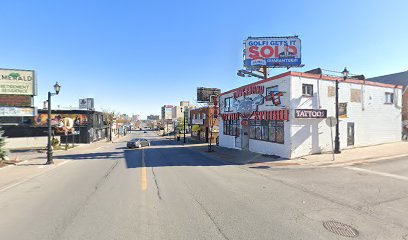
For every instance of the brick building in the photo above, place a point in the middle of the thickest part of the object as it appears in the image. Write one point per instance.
(202, 119)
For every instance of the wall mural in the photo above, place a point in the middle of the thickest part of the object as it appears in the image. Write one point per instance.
(247, 107)
(63, 123)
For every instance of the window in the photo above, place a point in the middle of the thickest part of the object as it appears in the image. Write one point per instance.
(271, 131)
(389, 98)
(307, 90)
(228, 104)
(231, 127)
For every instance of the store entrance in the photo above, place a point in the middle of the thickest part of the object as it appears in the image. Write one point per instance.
(245, 137)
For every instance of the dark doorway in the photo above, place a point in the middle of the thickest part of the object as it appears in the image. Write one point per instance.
(350, 134)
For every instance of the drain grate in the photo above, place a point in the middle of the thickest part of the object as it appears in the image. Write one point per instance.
(340, 229)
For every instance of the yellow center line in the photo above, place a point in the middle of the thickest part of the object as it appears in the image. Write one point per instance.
(144, 173)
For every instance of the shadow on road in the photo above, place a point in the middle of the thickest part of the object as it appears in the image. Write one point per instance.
(168, 153)
(92, 156)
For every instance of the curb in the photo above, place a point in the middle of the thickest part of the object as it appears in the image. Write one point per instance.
(350, 162)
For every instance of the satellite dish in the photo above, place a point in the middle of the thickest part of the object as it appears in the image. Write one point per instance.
(331, 121)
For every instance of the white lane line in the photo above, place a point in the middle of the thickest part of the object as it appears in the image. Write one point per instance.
(98, 148)
(378, 173)
(29, 178)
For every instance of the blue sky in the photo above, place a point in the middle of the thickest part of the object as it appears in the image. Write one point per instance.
(135, 56)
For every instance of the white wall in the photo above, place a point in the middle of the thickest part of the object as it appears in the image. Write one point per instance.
(374, 121)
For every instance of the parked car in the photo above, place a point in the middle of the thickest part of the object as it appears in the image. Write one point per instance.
(138, 143)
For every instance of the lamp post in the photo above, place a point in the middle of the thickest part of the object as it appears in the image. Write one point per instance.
(345, 73)
(57, 88)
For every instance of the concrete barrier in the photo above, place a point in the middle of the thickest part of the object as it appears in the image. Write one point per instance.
(27, 142)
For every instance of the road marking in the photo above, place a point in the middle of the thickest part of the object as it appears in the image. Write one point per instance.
(98, 148)
(144, 173)
(378, 173)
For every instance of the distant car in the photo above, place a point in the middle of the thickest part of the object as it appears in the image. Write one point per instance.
(144, 132)
(138, 143)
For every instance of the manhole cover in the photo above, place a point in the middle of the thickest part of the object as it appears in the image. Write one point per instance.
(340, 229)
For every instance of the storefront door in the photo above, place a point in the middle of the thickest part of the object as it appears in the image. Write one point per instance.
(238, 138)
(245, 137)
(350, 134)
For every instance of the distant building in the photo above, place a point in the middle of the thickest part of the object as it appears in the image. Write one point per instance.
(202, 120)
(184, 108)
(153, 117)
(166, 112)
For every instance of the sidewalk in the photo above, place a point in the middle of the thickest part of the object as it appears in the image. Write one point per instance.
(347, 156)
(360, 154)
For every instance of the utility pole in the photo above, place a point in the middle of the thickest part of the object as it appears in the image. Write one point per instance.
(337, 138)
(184, 126)
(49, 145)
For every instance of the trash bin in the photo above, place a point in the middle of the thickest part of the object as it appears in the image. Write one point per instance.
(178, 138)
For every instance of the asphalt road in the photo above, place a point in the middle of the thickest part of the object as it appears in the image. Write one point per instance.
(167, 191)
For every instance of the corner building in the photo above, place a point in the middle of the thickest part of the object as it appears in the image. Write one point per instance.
(292, 114)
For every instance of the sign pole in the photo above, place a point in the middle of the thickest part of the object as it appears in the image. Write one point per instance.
(331, 135)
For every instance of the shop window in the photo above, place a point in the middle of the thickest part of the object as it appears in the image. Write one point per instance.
(231, 127)
(265, 132)
(389, 98)
(307, 90)
(228, 104)
(271, 131)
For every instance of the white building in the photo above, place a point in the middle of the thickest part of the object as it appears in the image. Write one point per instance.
(289, 115)
(184, 109)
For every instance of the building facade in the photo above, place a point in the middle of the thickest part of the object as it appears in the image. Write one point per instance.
(79, 126)
(205, 124)
(291, 115)
(166, 112)
(398, 79)
(153, 117)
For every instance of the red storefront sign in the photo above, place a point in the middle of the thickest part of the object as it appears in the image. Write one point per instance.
(279, 115)
(230, 116)
(249, 90)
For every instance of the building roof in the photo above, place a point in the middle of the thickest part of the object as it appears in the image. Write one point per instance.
(395, 78)
(320, 77)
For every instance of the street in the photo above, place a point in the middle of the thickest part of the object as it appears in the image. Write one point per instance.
(171, 191)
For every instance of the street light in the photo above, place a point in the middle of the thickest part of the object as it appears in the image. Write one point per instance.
(57, 89)
(345, 73)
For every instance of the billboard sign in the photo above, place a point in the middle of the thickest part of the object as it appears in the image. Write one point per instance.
(272, 52)
(207, 94)
(16, 100)
(18, 111)
(17, 82)
(86, 103)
